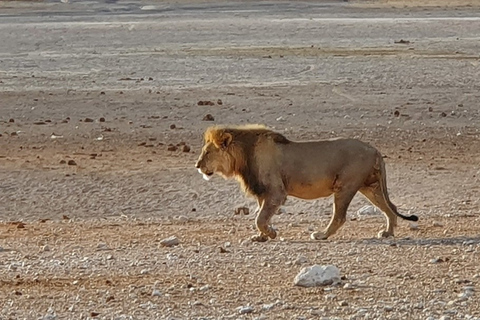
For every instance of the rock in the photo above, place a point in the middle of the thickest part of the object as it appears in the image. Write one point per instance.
(367, 211)
(208, 117)
(301, 260)
(437, 224)
(11, 120)
(343, 303)
(45, 248)
(102, 119)
(245, 309)
(88, 120)
(170, 241)
(172, 126)
(93, 314)
(413, 226)
(102, 246)
(317, 275)
(219, 102)
(436, 260)
(71, 163)
(186, 148)
(388, 308)
(172, 148)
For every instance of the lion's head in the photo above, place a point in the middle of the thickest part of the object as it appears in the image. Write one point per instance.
(215, 157)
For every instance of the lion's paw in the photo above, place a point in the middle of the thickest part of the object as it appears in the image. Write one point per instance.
(385, 234)
(259, 238)
(318, 235)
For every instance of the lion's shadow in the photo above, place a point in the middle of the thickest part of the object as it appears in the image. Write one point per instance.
(453, 241)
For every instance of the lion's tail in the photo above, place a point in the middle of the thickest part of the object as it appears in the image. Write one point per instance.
(383, 186)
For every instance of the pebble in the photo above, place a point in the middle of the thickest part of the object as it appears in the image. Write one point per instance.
(436, 260)
(245, 309)
(170, 241)
(301, 260)
(388, 308)
(156, 293)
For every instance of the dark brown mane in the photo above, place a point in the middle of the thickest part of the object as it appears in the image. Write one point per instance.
(242, 151)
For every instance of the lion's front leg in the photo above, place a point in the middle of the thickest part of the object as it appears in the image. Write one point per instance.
(267, 209)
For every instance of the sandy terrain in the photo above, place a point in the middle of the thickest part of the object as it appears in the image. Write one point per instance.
(94, 94)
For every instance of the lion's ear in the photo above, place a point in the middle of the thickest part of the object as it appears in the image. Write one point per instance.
(225, 140)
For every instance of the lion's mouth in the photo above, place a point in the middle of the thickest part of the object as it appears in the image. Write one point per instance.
(206, 175)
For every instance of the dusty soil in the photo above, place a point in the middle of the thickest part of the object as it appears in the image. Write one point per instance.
(110, 88)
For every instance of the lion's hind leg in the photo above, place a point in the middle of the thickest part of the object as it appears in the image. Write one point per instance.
(374, 194)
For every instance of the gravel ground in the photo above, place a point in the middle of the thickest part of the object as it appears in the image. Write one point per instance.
(100, 126)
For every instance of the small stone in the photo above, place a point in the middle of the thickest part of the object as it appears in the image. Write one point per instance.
(245, 309)
(45, 248)
(219, 102)
(172, 148)
(102, 246)
(170, 241)
(144, 271)
(94, 314)
(156, 293)
(301, 260)
(172, 126)
(436, 260)
(88, 120)
(367, 211)
(388, 308)
(443, 114)
(208, 117)
(414, 226)
(437, 224)
(102, 119)
(63, 161)
(11, 120)
(71, 163)
(185, 148)
(343, 303)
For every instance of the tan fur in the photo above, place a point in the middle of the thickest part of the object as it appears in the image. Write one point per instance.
(270, 167)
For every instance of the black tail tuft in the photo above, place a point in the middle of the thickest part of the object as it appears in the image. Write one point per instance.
(410, 218)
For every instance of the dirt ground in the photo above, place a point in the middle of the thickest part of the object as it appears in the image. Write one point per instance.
(101, 124)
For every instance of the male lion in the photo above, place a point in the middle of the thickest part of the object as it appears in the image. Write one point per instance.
(270, 167)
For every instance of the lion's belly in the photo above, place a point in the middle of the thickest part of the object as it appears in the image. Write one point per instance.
(310, 190)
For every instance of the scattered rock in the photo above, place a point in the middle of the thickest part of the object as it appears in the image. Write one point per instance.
(436, 260)
(219, 102)
(208, 117)
(11, 120)
(71, 163)
(172, 126)
(170, 241)
(206, 103)
(414, 226)
(301, 260)
(156, 293)
(437, 224)
(245, 309)
(94, 314)
(102, 246)
(172, 148)
(185, 148)
(63, 161)
(88, 120)
(102, 119)
(401, 41)
(367, 211)
(318, 275)
(443, 114)
(39, 123)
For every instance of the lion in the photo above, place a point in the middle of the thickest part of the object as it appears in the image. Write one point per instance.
(271, 167)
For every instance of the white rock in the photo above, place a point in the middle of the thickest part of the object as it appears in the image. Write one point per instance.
(245, 309)
(156, 293)
(368, 211)
(102, 246)
(317, 275)
(437, 224)
(413, 226)
(170, 241)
